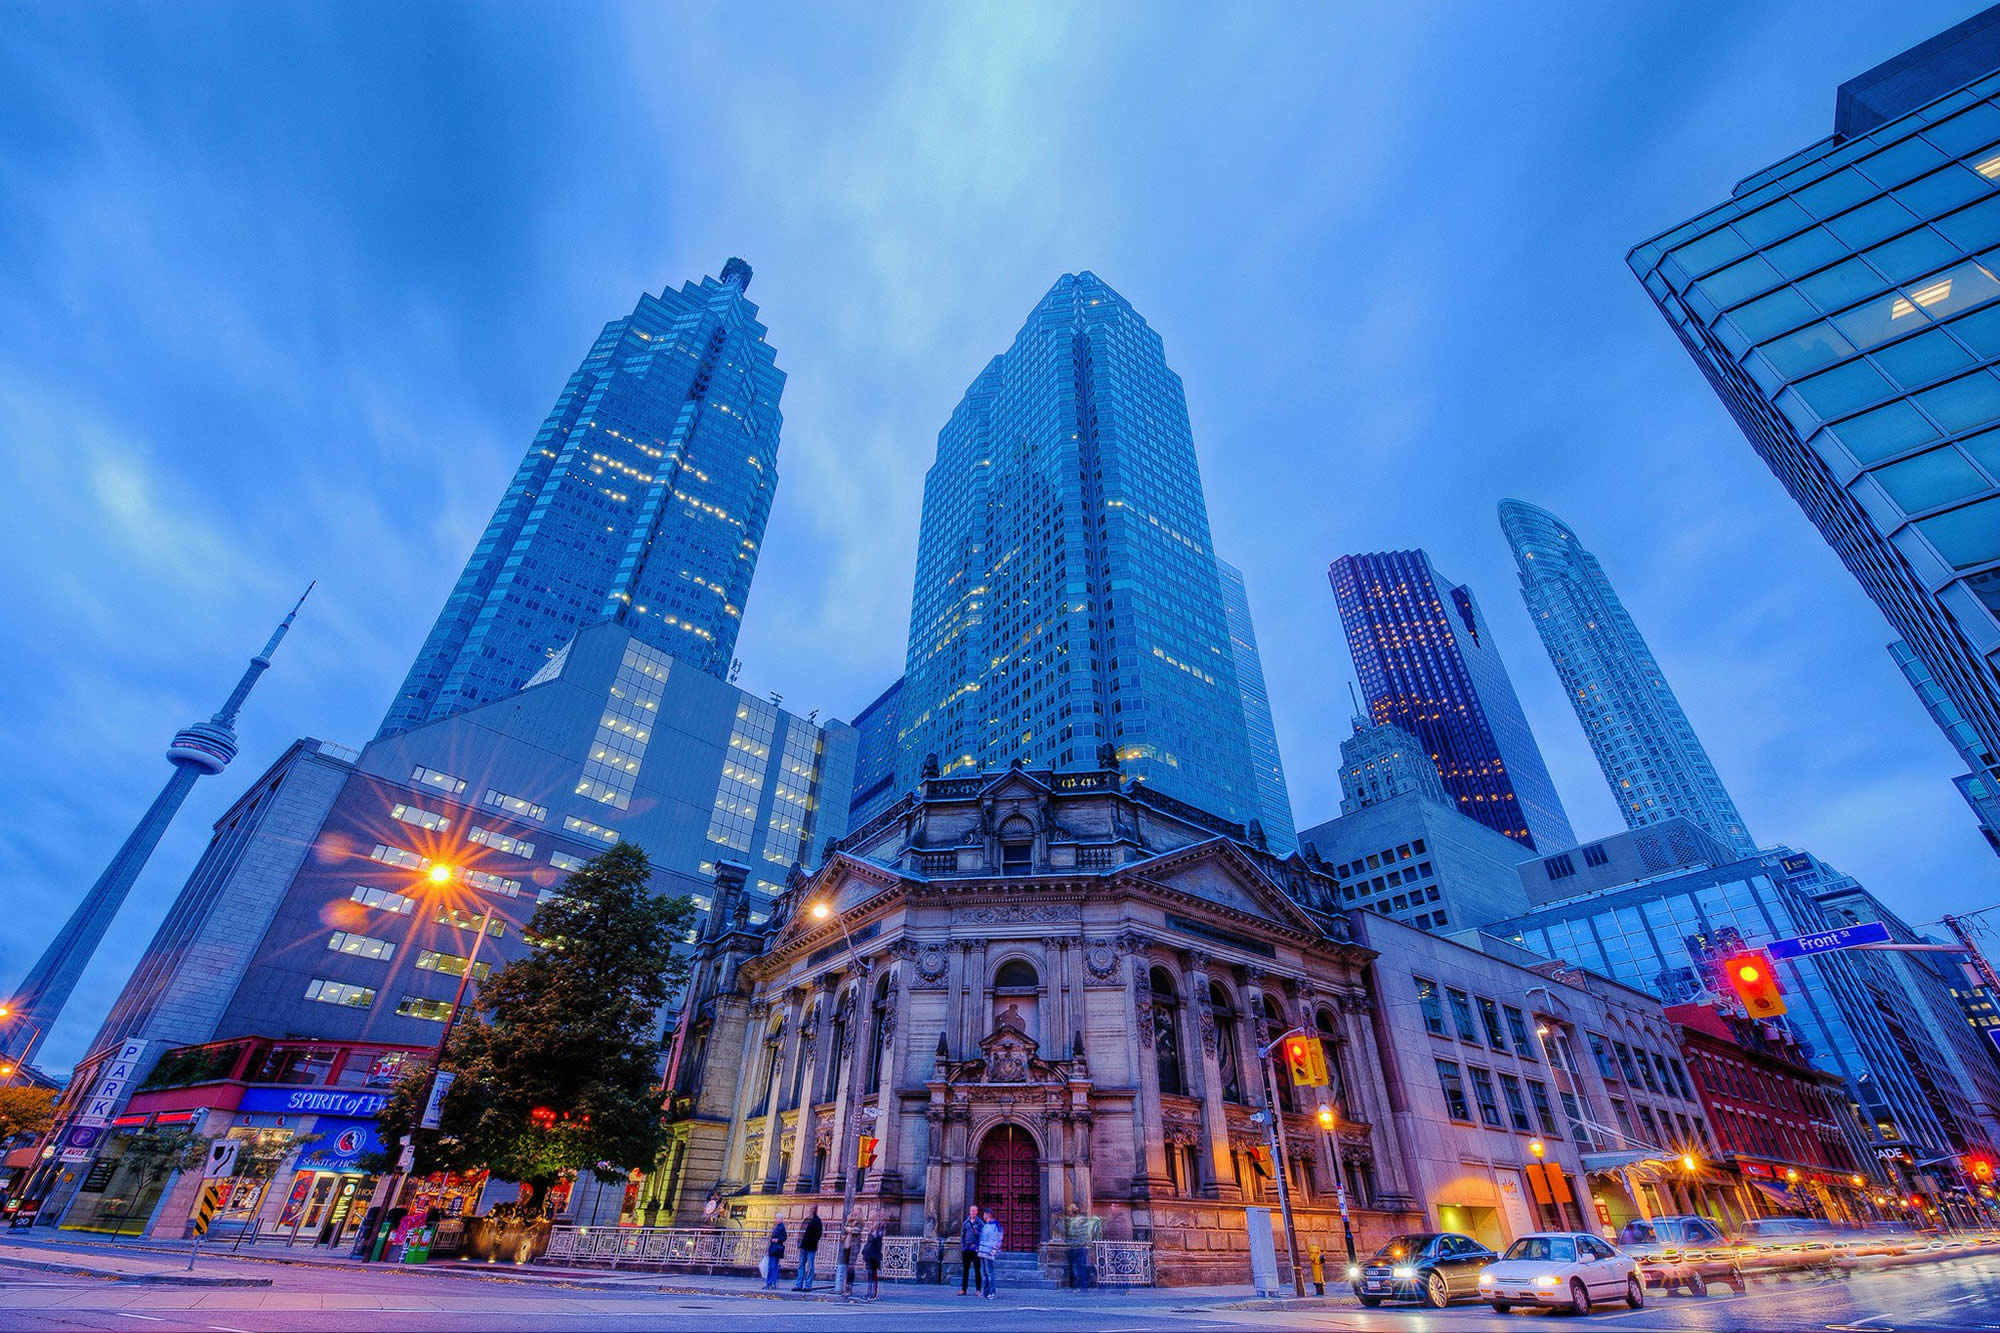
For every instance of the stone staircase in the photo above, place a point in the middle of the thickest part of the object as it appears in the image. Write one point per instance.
(1024, 1272)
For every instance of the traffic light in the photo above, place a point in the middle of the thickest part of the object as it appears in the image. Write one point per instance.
(1751, 977)
(1979, 1167)
(865, 1156)
(1260, 1158)
(1305, 1061)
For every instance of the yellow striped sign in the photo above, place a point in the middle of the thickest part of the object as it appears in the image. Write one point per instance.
(204, 1208)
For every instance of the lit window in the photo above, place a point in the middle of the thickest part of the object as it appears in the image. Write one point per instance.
(451, 916)
(451, 964)
(383, 899)
(564, 861)
(396, 856)
(416, 1006)
(589, 830)
(362, 946)
(424, 819)
(515, 805)
(339, 992)
(479, 879)
(502, 842)
(444, 782)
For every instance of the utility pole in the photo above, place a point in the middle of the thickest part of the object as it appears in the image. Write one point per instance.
(1956, 925)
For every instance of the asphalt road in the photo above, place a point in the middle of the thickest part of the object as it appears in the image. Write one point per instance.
(1957, 1294)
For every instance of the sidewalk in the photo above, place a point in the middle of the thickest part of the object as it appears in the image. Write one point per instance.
(135, 1260)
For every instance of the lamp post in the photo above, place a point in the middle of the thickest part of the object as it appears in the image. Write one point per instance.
(439, 875)
(843, 1278)
(1329, 1120)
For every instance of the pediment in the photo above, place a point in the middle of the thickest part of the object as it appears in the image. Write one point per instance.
(1219, 872)
(1015, 783)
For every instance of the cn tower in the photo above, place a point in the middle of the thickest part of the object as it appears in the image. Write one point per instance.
(198, 751)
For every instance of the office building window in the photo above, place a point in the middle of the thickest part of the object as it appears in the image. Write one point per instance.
(1594, 855)
(564, 861)
(1461, 1014)
(423, 819)
(516, 805)
(502, 842)
(451, 916)
(1489, 1018)
(1517, 1027)
(451, 964)
(1517, 1109)
(1454, 1091)
(382, 899)
(444, 782)
(340, 992)
(398, 857)
(417, 1006)
(590, 830)
(1538, 1096)
(1433, 1007)
(1482, 1088)
(480, 879)
(361, 946)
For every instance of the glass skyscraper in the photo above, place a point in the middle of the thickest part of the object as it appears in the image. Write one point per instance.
(1273, 798)
(1067, 595)
(1845, 305)
(642, 500)
(1651, 758)
(1428, 664)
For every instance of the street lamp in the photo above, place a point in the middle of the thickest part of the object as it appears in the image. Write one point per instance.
(843, 1278)
(20, 1062)
(438, 874)
(1265, 1063)
(1329, 1120)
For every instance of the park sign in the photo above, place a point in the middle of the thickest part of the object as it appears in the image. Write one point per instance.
(1827, 941)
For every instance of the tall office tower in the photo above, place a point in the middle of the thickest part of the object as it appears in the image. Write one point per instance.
(1428, 663)
(642, 500)
(1273, 798)
(878, 727)
(1067, 595)
(1842, 305)
(1378, 762)
(198, 751)
(1650, 755)
(1981, 785)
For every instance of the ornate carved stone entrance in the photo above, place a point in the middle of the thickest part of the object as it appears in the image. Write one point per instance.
(1010, 1184)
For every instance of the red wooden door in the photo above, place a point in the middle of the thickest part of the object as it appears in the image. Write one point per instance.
(1010, 1183)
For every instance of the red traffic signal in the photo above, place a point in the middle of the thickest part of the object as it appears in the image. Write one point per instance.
(1756, 985)
(1979, 1167)
(1305, 1061)
(865, 1155)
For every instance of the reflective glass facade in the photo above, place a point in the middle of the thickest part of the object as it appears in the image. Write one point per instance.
(880, 728)
(1842, 304)
(1652, 760)
(1273, 798)
(1981, 786)
(1667, 935)
(642, 500)
(1427, 663)
(1067, 595)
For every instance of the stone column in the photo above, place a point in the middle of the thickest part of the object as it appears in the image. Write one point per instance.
(1218, 1176)
(750, 1044)
(1148, 1126)
(887, 1177)
(840, 1156)
(813, 1039)
(766, 1174)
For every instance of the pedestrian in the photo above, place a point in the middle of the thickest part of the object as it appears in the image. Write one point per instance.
(990, 1236)
(968, 1252)
(871, 1254)
(809, 1249)
(1080, 1233)
(774, 1254)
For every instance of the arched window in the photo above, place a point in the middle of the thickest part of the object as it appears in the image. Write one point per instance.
(878, 1035)
(1167, 1034)
(1017, 996)
(836, 1054)
(1017, 846)
(796, 1088)
(1336, 1058)
(1276, 1024)
(1227, 1060)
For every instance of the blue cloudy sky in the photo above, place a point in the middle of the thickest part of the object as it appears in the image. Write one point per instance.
(285, 291)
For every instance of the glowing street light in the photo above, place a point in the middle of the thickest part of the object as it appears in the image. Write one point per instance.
(439, 874)
(1537, 1147)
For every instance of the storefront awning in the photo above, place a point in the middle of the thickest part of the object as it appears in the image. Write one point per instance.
(1596, 1163)
(1782, 1196)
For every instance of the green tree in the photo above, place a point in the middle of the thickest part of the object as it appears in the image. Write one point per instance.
(558, 1071)
(26, 1111)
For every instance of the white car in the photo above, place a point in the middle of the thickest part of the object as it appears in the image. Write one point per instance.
(1570, 1269)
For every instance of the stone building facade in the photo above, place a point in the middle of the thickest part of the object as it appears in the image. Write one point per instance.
(1032, 989)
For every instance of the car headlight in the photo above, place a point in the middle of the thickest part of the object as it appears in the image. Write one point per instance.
(1403, 1271)
(1353, 1272)
(1485, 1279)
(1546, 1281)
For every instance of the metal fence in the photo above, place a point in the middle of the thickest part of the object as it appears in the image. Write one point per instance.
(1115, 1263)
(611, 1247)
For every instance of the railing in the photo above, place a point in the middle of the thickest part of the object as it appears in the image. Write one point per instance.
(902, 1255)
(1115, 1263)
(661, 1246)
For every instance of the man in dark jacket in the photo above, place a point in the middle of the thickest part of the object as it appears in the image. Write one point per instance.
(968, 1251)
(808, 1249)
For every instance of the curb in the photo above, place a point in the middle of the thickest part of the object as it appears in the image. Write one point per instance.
(153, 1279)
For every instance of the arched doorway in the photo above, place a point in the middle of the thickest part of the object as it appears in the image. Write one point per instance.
(1010, 1184)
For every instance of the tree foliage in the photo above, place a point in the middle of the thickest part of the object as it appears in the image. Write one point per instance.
(26, 1111)
(558, 1070)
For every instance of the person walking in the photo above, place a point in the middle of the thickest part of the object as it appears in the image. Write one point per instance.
(774, 1254)
(871, 1255)
(990, 1236)
(1080, 1233)
(809, 1249)
(968, 1252)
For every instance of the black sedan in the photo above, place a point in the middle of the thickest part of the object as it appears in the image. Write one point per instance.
(1435, 1267)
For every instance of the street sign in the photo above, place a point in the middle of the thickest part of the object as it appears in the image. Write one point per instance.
(434, 1108)
(116, 1073)
(1826, 941)
(221, 1159)
(204, 1208)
